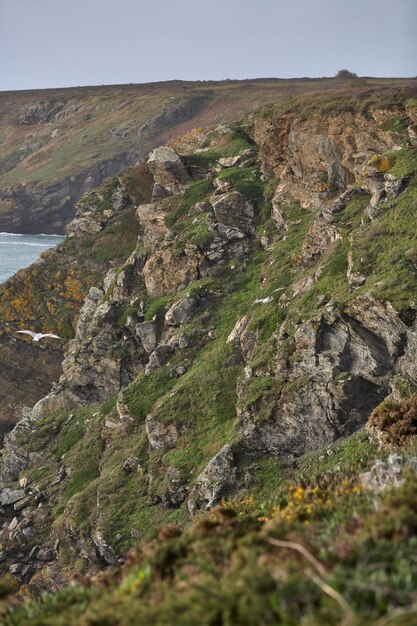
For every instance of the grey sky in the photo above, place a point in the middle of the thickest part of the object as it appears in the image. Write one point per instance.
(56, 43)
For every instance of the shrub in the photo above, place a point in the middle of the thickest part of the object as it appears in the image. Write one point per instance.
(346, 74)
(395, 421)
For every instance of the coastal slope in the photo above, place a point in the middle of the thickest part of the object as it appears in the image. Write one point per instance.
(247, 302)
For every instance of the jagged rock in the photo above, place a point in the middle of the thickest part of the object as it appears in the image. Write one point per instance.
(28, 533)
(222, 185)
(213, 482)
(233, 209)
(202, 207)
(182, 311)
(104, 549)
(132, 464)
(169, 172)
(159, 356)
(41, 111)
(167, 270)
(152, 219)
(14, 458)
(45, 554)
(355, 279)
(278, 217)
(319, 237)
(412, 134)
(389, 473)
(13, 524)
(338, 371)
(393, 185)
(176, 490)
(28, 571)
(146, 331)
(305, 283)
(230, 161)
(238, 329)
(87, 312)
(87, 225)
(162, 435)
(33, 552)
(21, 504)
(216, 249)
(122, 409)
(8, 496)
(184, 341)
(15, 568)
(230, 233)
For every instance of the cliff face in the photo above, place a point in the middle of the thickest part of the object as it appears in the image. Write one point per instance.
(48, 295)
(265, 306)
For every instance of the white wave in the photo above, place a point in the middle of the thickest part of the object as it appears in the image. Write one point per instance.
(24, 243)
(4, 234)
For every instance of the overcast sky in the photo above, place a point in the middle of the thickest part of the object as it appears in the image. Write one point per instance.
(59, 43)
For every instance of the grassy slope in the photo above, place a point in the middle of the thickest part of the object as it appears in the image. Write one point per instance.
(347, 561)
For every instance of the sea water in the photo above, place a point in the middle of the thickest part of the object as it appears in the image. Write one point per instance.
(19, 251)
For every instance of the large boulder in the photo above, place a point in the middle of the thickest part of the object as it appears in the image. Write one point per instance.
(233, 209)
(181, 312)
(146, 331)
(213, 482)
(169, 172)
(167, 271)
(161, 435)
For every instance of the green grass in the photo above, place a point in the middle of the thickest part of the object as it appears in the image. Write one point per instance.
(209, 156)
(141, 395)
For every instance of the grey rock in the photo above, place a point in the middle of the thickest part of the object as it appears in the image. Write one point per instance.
(238, 329)
(87, 225)
(40, 111)
(162, 435)
(15, 568)
(339, 369)
(28, 571)
(176, 489)
(21, 504)
(104, 549)
(146, 331)
(159, 356)
(213, 482)
(182, 311)
(45, 553)
(33, 552)
(355, 279)
(389, 473)
(183, 341)
(229, 233)
(233, 209)
(28, 532)
(132, 464)
(9, 496)
(169, 172)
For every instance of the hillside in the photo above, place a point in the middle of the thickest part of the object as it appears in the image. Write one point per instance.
(239, 306)
(57, 144)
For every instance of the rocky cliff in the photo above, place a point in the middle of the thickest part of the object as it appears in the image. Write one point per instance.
(58, 144)
(265, 305)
